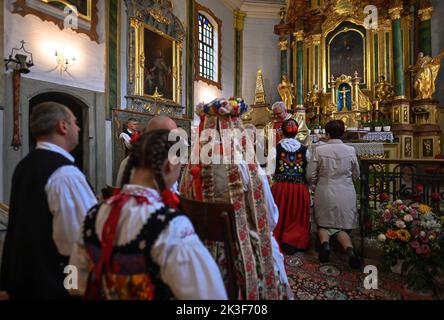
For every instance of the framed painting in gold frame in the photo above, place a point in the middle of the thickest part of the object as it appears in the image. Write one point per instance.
(83, 7)
(157, 64)
(346, 53)
(54, 11)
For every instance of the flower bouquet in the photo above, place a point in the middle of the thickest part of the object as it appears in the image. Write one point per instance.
(414, 234)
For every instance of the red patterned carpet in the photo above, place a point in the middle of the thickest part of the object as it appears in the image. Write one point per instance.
(311, 280)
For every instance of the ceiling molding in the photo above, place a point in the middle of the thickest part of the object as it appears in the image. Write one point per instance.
(262, 10)
(233, 4)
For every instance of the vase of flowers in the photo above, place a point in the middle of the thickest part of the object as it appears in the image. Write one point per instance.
(411, 236)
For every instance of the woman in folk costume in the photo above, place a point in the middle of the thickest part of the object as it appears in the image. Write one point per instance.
(136, 245)
(290, 191)
(260, 265)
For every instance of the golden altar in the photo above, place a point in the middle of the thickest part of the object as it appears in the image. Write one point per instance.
(356, 61)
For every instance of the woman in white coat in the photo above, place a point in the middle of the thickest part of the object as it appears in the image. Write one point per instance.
(331, 171)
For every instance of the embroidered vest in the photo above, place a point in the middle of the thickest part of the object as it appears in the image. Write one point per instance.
(290, 166)
(132, 274)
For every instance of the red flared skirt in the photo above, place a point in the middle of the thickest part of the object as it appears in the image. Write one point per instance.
(293, 202)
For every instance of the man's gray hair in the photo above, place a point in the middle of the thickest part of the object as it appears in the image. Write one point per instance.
(279, 104)
(45, 116)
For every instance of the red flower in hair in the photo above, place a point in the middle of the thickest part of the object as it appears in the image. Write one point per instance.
(170, 198)
(134, 137)
(291, 127)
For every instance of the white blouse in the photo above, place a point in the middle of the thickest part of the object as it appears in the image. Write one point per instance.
(186, 266)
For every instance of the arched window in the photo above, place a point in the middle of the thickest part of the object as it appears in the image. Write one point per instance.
(207, 47)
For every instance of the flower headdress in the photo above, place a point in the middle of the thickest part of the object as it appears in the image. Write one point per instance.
(223, 107)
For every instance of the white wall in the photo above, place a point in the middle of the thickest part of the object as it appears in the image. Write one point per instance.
(438, 44)
(202, 91)
(261, 51)
(44, 38)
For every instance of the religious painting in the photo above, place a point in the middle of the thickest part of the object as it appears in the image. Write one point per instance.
(83, 7)
(158, 64)
(346, 54)
(54, 11)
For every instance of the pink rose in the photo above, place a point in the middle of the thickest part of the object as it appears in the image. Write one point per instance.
(415, 244)
(436, 196)
(419, 250)
(400, 224)
(387, 216)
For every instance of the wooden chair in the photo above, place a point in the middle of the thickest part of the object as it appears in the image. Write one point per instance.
(216, 222)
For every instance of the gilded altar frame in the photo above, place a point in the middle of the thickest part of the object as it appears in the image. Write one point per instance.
(378, 43)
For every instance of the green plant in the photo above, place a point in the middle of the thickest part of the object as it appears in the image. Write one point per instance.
(366, 123)
(377, 123)
(386, 122)
(314, 125)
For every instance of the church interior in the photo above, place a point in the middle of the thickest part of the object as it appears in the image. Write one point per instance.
(374, 64)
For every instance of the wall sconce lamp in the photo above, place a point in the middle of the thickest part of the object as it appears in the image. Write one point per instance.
(64, 63)
(19, 61)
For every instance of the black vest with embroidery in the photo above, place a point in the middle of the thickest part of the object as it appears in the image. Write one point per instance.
(134, 275)
(290, 166)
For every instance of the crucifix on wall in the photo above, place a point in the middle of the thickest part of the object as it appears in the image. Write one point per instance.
(344, 92)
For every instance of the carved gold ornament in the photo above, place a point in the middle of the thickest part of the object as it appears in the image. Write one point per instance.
(158, 16)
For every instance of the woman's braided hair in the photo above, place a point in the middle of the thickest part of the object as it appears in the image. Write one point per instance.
(150, 152)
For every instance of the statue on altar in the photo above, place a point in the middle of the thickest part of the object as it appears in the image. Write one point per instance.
(425, 73)
(384, 90)
(285, 89)
(313, 102)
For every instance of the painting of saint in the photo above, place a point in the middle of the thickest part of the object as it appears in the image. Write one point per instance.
(347, 54)
(158, 68)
